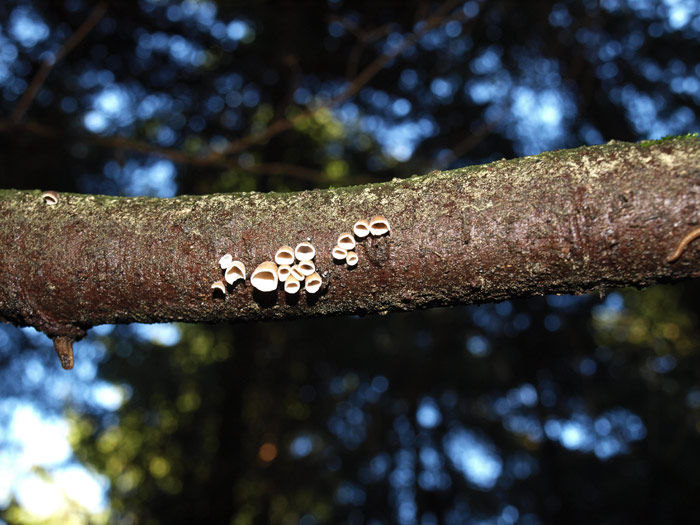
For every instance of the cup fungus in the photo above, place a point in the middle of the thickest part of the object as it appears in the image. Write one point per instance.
(361, 229)
(379, 226)
(306, 268)
(285, 255)
(304, 251)
(225, 261)
(50, 197)
(291, 285)
(339, 253)
(219, 286)
(235, 271)
(352, 258)
(296, 273)
(313, 283)
(264, 278)
(346, 241)
(283, 272)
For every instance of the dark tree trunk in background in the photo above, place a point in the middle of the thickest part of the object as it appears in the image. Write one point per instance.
(569, 221)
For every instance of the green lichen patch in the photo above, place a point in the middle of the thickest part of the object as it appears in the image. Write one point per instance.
(668, 138)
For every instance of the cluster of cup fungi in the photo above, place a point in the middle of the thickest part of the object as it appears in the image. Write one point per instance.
(296, 266)
(345, 249)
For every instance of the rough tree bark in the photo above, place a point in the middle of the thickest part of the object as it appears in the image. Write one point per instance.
(569, 221)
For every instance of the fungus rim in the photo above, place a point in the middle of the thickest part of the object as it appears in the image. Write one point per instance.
(361, 228)
(296, 273)
(50, 197)
(291, 282)
(285, 255)
(304, 251)
(338, 253)
(234, 272)
(313, 283)
(259, 278)
(283, 272)
(306, 268)
(219, 285)
(346, 241)
(225, 261)
(379, 231)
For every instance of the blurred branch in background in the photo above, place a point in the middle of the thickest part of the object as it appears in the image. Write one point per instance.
(440, 17)
(50, 62)
(364, 38)
(470, 141)
(222, 158)
(121, 143)
(432, 22)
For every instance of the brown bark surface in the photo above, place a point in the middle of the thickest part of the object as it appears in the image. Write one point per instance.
(568, 221)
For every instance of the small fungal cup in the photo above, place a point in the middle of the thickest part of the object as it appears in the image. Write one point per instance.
(50, 197)
(226, 261)
(338, 253)
(304, 251)
(283, 272)
(346, 241)
(296, 273)
(361, 229)
(264, 277)
(285, 255)
(306, 268)
(292, 285)
(219, 286)
(235, 271)
(313, 283)
(379, 226)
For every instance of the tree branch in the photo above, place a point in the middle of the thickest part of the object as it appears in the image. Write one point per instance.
(568, 221)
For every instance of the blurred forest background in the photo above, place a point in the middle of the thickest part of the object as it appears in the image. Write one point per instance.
(554, 409)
